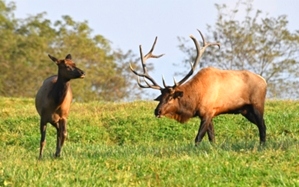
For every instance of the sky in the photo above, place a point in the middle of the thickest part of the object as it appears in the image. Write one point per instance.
(127, 24)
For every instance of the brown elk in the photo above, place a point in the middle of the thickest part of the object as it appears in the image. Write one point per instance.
(53, 100)
(209, 93)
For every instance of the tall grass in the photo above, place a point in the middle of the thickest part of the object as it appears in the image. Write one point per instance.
(123, 144)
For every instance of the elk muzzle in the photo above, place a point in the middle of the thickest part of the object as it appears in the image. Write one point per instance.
(158, 112)
(80, 73)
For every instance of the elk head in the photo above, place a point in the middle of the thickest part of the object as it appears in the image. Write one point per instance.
(169, 104)
(67, 68)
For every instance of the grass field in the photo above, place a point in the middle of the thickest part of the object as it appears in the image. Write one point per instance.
(123, 144)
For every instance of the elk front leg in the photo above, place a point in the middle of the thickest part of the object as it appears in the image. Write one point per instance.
(43, 128)
(61, 135)
(204, 126)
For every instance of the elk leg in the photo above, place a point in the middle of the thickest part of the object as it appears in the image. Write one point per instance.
(57, 141)
(63, 132)
(248, 114)
(210, 132)
(255, 117)
(204, 126)
(262, 130)
(261, 125)
(43, 128)
(61, 135)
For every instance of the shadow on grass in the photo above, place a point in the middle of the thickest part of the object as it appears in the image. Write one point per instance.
(256, 146)
(165, 150)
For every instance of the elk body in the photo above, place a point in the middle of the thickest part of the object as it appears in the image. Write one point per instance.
(209, 93)
(53, 100)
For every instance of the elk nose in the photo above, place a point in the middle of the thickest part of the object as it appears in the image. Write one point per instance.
(82, 74)
(157, 112)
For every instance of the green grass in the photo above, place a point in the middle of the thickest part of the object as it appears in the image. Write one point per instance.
(123, 144)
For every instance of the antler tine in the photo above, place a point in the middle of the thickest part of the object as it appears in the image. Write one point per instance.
(205, 45)
(198, 55)
(148, 84)
(164, 83)
(193, 66)
(145, 74)
(175, 83)
(150, 53)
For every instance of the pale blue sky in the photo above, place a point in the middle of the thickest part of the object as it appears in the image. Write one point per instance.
(130, 23)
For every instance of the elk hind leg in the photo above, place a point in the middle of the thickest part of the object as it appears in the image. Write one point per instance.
(211, 133)
(255, 116)
(43, 128)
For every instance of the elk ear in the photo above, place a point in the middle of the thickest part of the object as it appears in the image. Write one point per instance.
(178, 94)
(68, 57)
(53, 58)
(158, 98)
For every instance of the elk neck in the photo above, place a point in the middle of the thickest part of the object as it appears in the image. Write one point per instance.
(187, 104)
(59, 90)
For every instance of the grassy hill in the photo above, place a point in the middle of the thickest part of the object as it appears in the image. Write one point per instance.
(123, 144)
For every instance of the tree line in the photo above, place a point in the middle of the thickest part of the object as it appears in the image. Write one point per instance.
(259, 43)
(26, 43)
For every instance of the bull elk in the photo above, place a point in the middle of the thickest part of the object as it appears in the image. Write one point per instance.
(209, 93)
(53, 100)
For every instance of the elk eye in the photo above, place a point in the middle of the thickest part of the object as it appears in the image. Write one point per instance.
(69, 68)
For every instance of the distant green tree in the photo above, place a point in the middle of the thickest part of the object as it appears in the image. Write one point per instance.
(25, 63)
(263, 45)
(129, 87)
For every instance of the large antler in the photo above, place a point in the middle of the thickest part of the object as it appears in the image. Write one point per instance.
(200, 51)
(145, 75)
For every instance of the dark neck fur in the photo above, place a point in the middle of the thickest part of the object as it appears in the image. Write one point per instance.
(185, 111)
(187, 108)
(59, 90)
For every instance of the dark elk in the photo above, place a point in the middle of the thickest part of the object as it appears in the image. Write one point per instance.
(53, 100)
(209, 93)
